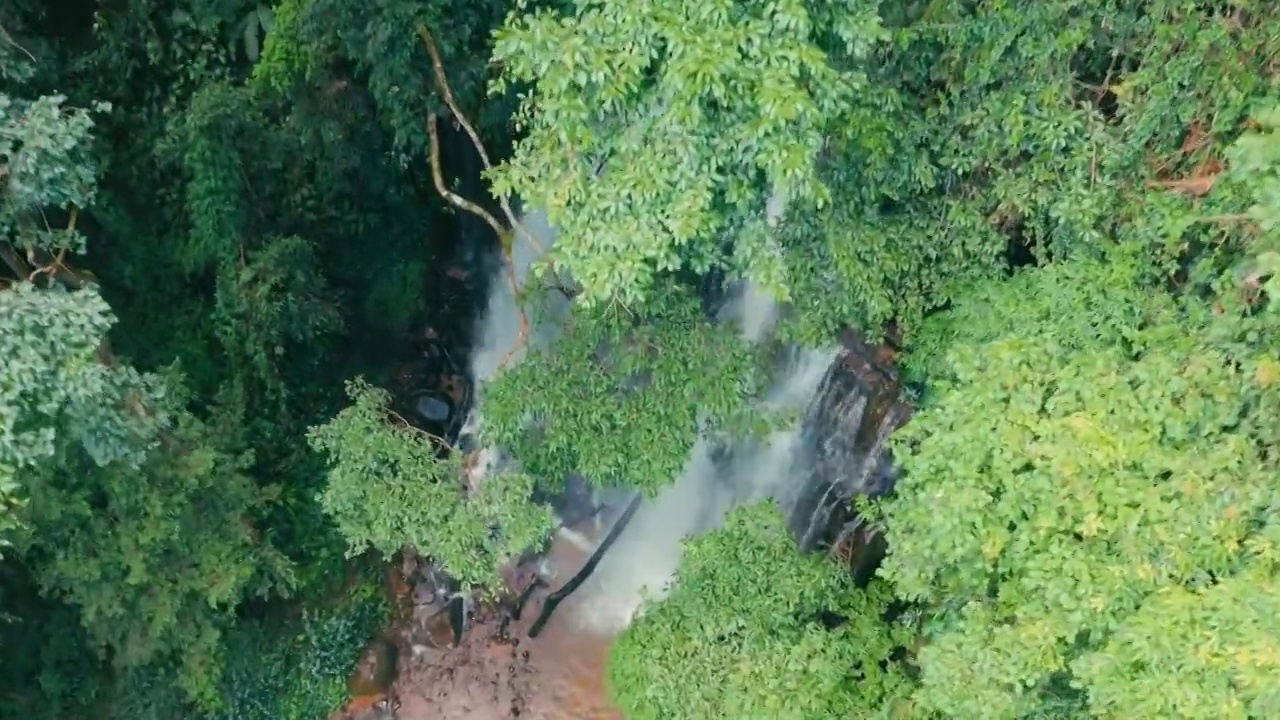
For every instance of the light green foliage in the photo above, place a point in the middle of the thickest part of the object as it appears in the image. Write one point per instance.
(743, 634)
(56, 396)
(1207, 653)
(937, 149)
(640, 385)
(697, 111)
(391, 485)
(44, 147)
(1093, 452)
(1091, 442)
(1255, 164)
(56, 392)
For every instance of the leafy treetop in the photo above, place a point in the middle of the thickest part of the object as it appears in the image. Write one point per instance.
(751, 630)
(654, 129)
(390, 484)
(133, 511)
(1101, 450)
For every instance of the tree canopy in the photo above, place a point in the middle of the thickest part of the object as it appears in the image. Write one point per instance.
(237, 237)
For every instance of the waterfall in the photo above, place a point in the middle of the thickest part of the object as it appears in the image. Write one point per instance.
(498, 341)
(500, 329)
(715, 479)
(811, 469)
(845, 433)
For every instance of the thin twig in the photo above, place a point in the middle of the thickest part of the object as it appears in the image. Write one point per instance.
(57, 263)
(441, 442)
(9, 39)
(51, 267)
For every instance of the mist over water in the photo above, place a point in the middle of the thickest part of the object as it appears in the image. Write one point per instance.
(645, 557)
(717, 476)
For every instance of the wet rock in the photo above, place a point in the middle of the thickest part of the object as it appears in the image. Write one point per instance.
(432, 409)
(497, 672)
(844, 434)
(368, 707)
(424, 593)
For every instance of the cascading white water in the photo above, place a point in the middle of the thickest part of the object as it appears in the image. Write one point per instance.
(715, 479)
(645, 557)
(499, 338)
(499, 342)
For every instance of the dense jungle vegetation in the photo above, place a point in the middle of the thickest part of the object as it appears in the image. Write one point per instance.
(222, 233)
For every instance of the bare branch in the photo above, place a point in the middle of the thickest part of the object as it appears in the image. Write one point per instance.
(17, 265)
(437, 175)
(429, 436)
(4, 35)
(442, 81)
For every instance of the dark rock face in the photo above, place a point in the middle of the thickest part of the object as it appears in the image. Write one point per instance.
(844, 436)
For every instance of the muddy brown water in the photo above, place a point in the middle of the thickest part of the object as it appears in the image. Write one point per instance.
(560, 675)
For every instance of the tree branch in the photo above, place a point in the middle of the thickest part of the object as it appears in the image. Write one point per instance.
(4, 35)
(437, 176)
(429, 436)
(442, 81)
(19, 267)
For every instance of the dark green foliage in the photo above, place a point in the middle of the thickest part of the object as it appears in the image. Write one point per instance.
(996, 124)
(231, 228)
(275, 306)
(277, 667)
(135, 512)
(45, 669)
(329, 42)
(303, 676)
(156, 557)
